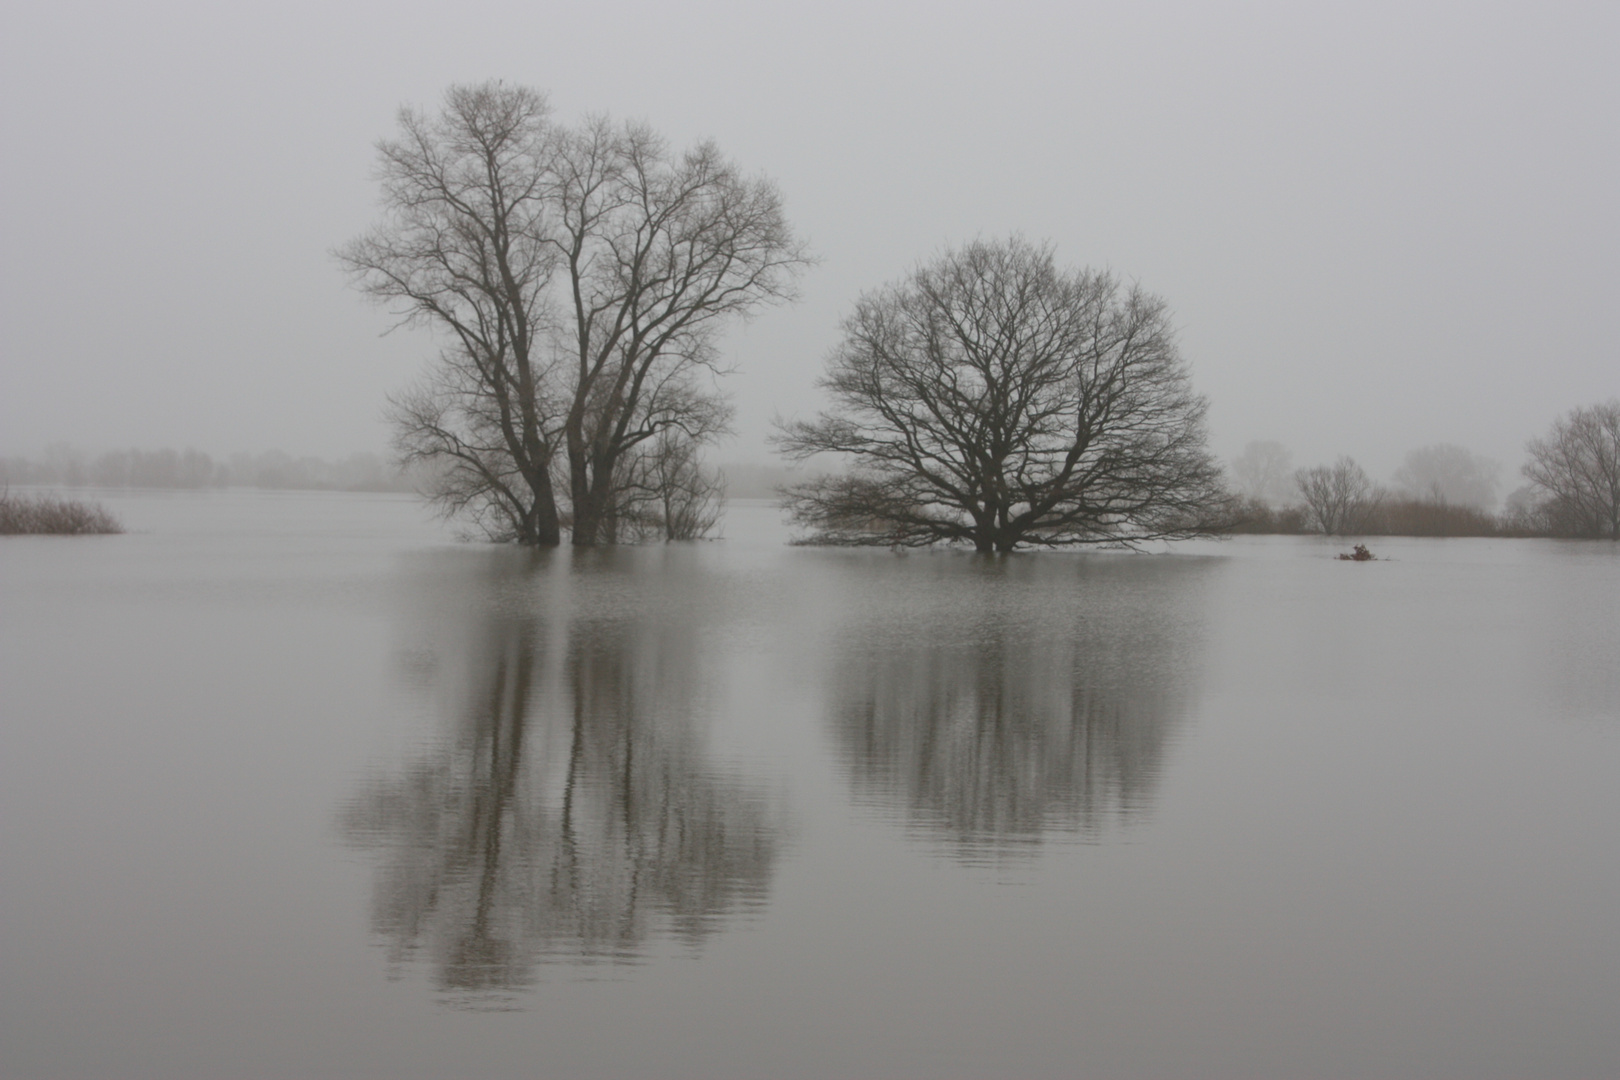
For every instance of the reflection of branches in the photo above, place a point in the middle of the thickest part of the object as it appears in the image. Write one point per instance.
(1001, 743)
(572, 815)
(1000, 730)
(642, 818)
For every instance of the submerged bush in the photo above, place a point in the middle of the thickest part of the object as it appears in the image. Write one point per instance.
(54, 515)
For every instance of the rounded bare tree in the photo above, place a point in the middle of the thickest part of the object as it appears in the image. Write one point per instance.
(992, 398)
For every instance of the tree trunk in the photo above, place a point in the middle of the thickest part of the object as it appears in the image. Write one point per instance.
(592, 488)
(587, 520)
(540, 526)
(547, 528)
(587, 514)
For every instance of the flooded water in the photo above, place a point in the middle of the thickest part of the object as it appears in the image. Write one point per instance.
(294, 785)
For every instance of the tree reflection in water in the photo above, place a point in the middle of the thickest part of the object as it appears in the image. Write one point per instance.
(570, 814)
(1021, 700)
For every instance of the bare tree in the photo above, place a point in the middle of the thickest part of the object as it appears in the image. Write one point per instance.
(1264, 472)
(579, 276)
(1577, 466)
(997, 400)
(991, 398)
(657, 250)
(464, 248)
(1339, 499)
(1448, 475)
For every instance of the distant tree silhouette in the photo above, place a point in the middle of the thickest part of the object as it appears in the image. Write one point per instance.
(1449, 475)
(1264, 472)
(1577, 468)
(1339, 499)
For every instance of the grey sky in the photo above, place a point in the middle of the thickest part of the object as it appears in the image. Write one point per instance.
(1380, 226)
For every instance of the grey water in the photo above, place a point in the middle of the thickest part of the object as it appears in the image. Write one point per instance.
(298, 785)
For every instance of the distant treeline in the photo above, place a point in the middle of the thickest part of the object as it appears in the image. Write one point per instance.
(65, 466)
(1410, 517)
(1443, 490)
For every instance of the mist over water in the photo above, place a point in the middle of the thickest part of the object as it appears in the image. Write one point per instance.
(293, 785)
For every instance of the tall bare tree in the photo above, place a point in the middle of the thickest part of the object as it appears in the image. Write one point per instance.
(1577, 465)
(993, 399)
(580, 276)
(657, 250)
(464, 248)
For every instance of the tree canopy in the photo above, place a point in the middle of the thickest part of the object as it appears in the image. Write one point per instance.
(995, 399)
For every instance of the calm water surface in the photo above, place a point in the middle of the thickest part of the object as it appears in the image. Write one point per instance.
(295, 785)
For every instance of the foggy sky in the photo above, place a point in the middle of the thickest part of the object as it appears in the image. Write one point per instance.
(1379, 226)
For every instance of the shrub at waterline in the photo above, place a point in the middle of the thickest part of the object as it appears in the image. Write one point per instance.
(52, 514)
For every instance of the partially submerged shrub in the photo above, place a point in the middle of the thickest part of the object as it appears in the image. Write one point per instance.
(1359, 553)
(54, 515)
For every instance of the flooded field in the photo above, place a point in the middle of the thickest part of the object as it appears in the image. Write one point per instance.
(296, 785)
